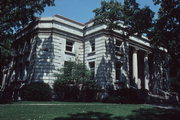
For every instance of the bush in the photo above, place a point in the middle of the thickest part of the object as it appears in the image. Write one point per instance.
(71, 92)
(111, 99)
(132, 96)
(127, 96)
(6, 95)
(89, 92)
(37, 91)
(66, 92)
(74, 83)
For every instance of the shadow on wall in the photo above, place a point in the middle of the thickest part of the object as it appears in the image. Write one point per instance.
(44, 59)
(105, 67)
(103, 74)
(112, 61)
(140, 114)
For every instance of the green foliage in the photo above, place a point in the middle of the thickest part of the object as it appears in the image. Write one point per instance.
(74, 82)
(165, 33)
(6, 95)
(14, 16)
(111, 99)
(175, 82)
(127, 95)
(114, 14)
(73, 73)
(166, 28)
(37, 91)
(109, 14)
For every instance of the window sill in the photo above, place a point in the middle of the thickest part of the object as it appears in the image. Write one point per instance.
(91, 53)
(70, 53)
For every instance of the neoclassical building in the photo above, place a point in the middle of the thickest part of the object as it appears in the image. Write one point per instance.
(45, 45)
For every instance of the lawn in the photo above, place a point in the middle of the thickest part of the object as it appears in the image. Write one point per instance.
(83, 111)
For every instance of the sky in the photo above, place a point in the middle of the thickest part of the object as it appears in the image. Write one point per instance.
(81, 10)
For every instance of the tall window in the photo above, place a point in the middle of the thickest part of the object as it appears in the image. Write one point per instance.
(92, 69)
(118, 70)
(92, 47)
(69, 46)
(117, 45)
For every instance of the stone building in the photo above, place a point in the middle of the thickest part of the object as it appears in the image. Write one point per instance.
(45, 45)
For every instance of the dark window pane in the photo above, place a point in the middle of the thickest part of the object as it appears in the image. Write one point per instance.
(92, 45)
(69, 46)
(69, 43)
(93, 48)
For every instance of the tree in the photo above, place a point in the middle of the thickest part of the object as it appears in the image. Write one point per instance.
(134, 19)
(14, 16)
(165, 33)
(127, 17)
(73, 81)
(73, 73)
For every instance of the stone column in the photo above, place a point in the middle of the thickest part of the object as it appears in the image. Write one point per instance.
(135, 67)
(146, 72)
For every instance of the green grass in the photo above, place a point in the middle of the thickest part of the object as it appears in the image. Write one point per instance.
(82, 111)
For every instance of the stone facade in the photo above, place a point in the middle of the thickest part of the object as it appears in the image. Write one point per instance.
(44, 46)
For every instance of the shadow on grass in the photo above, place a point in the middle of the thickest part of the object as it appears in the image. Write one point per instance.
(140, 114)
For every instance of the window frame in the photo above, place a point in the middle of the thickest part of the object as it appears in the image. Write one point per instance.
(92, 46)
(71, 46)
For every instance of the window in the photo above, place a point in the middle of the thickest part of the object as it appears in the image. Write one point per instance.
(118, 70)
(69, 46)
(92, 69)
(92, 43)
(117, 45)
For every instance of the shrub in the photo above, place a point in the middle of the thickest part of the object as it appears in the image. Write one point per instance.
(6, 95)
(65, 91)
(73, 92)
(132, 96)
(111, 99)
(74, 83)
(37, 91)
(89, 92)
